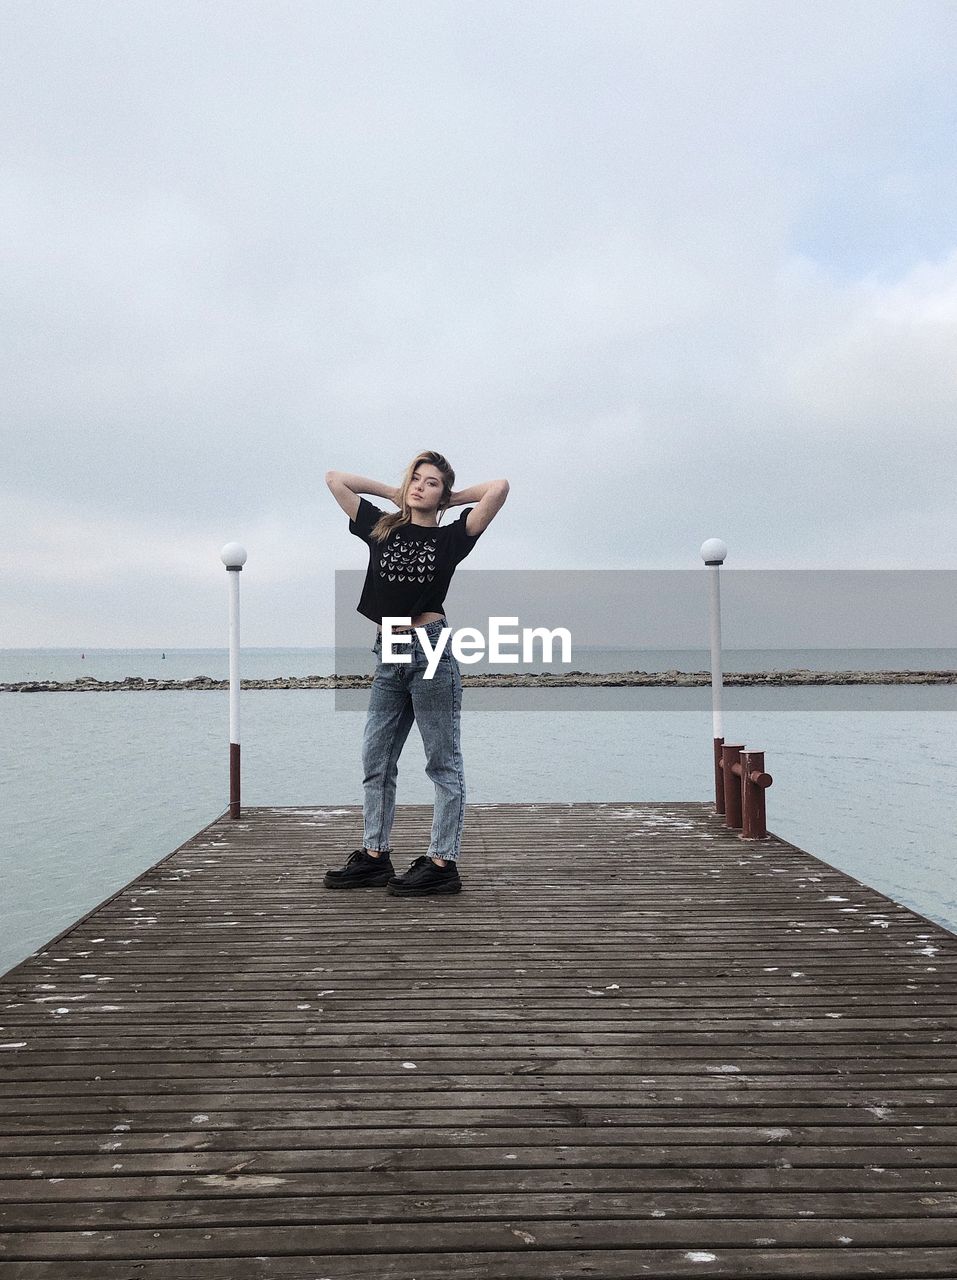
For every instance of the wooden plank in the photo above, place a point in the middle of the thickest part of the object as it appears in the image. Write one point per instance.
(465, 1233)
(696, 1055)
(713, 1144)
(22, 1196)
(264, 1196)
(554, 1264)
(330, 1223)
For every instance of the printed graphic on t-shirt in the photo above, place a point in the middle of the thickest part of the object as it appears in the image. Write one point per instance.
(405, 560)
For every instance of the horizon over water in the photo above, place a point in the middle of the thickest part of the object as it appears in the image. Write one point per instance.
(94, 790)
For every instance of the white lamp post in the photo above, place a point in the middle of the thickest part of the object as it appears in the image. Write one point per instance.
(233, 557)
(713, 553)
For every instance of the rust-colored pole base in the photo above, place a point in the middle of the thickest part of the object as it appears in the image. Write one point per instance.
(718, 777)
(234, 779)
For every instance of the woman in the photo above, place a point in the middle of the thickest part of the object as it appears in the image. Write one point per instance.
(411, 562)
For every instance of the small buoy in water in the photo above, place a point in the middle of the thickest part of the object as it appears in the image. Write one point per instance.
(164, 655)
(82, 655)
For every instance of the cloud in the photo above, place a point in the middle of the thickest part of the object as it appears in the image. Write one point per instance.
(46, 541)
(885, 356)
(677, 271)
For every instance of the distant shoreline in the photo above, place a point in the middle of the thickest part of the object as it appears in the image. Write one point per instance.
(526, 680)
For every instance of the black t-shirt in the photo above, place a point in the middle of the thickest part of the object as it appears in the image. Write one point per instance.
(409, 573)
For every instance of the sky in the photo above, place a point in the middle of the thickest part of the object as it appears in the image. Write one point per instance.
(675, 270)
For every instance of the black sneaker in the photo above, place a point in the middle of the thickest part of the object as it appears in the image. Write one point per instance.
(361, 871)
(426, 876)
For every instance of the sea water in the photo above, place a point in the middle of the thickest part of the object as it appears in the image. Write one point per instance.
(97, 787)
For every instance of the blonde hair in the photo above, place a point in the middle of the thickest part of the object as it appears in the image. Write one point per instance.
(385, 524)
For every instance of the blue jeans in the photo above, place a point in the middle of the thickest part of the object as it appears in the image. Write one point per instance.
(401, 694)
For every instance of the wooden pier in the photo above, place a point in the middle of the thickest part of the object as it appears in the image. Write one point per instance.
(635, 1045)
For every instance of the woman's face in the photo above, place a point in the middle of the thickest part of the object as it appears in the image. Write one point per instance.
(425, 488)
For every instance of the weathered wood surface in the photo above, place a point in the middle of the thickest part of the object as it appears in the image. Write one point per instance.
(635, 1045)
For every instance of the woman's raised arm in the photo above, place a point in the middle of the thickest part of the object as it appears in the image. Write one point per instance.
(346, 489)
(489, 498)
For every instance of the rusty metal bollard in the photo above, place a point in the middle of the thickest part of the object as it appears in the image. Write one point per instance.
(730, 756)
(754, 781)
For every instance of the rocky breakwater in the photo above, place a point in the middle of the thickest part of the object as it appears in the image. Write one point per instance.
(528, 680)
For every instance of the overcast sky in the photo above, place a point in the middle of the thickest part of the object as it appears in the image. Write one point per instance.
(676, 270)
